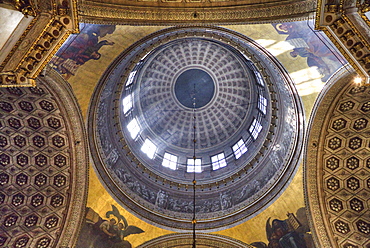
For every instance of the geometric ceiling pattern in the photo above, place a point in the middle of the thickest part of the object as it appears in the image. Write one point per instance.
(42, 166)
(226, 111)
(338, 165)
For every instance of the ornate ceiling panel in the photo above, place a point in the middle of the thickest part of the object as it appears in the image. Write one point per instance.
(337, 168)
(346, 25)
(165, 12)
(43, 168)
(43, 29)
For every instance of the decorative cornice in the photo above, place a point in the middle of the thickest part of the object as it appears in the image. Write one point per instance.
(54, 21)
(186, 240)
(345, 23)
(27, 7)
(191, 14)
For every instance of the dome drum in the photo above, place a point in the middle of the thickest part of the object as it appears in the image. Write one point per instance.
(248, 128)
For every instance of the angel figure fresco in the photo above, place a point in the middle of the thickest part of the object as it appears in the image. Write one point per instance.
(79, 49)
(106, 233)
(312, 46)
(293, 232)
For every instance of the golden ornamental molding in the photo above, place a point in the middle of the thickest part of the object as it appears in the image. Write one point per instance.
(345, 23)
(186, 240)
(337, 164)
(94, 12)
(27, 7)
(80, 153)
(364, 7)
(53, 22)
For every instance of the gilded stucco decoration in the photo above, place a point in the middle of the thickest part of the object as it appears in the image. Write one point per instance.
(43, 168)
(338, 164)
(347, 27)
(202, 241)
(193, 12)
(46, 26)
(25, 6)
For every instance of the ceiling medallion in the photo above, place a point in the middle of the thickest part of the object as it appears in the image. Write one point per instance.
(248, 119)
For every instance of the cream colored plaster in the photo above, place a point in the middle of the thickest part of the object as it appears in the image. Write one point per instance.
(9, 19)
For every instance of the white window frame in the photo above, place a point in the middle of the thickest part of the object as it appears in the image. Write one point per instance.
(218, 161)
(127, 103)
(170, 161)
(134, 128)
(191, 168)
(259, 78)
(255, 129)
(130, 79)
(239, 148)
(149, 148)
(262, 104)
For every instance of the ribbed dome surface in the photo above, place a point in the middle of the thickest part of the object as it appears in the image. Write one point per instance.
(218, 120)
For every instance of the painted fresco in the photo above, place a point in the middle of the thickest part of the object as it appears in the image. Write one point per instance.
(312, 45)
(81, 48)
(292, 232)
(97, 232)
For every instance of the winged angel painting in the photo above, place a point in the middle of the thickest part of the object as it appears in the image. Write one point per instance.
(293, 232)
(106, 233)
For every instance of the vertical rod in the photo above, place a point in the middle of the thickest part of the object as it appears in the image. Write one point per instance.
(194, 221)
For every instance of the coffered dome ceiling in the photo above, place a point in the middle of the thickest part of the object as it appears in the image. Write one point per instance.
(208, 85)
(337, 165)
(43, 154)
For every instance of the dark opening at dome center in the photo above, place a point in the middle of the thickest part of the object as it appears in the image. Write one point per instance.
(194, 85)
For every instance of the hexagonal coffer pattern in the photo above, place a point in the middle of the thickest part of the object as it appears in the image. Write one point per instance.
(346, 106)
(332, 163)
(341, 227)
(339, 124)
(336, 205)
(356, 205)
(332, 183)
(33, 142)
(355, 143)
(353, 163)
(360, 124)
(334, 143)
(345, 163)
(353, 183)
